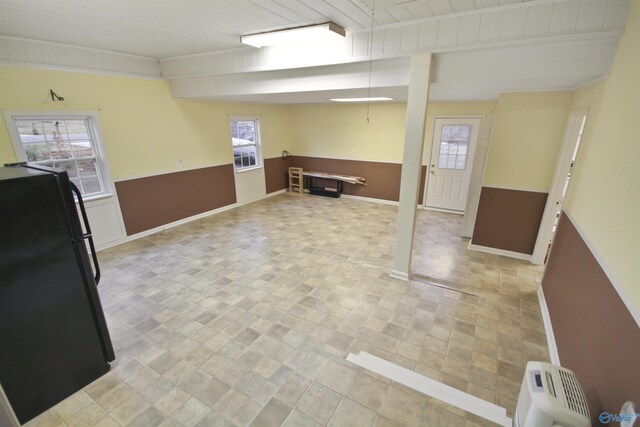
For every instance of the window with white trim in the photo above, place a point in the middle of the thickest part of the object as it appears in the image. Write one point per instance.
(69, 143)
(245, 140)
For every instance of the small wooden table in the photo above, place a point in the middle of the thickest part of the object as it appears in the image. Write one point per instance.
(321, 190)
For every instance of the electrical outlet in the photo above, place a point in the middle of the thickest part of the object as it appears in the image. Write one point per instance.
(180, 162)
(353, 154)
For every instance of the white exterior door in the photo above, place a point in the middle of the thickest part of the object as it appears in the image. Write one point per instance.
(449, 171)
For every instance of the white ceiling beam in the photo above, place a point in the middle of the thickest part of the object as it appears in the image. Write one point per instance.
(525, 23)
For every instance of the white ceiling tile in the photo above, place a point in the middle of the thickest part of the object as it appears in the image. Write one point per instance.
(460, 6)
(419, 9)
(301, 9)
(591, 14)
(392, 39)
(440, 7)
(491, 26)
(482, 4)
(333, 14)
(448, 31)
(428, 34)
(616, 13)
(360, 44)
(353, 10)
(538, 19)
(278, 9)
(469, 30)
(564, 16)
(513, 23)
(383, 17)
(400, 13)
(410, 38)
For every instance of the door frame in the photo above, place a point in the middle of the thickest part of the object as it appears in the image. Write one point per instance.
(563, 166)
(476, 118)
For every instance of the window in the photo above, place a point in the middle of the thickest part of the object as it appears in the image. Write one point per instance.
(64, 142)
(454, 144)
(245, 139)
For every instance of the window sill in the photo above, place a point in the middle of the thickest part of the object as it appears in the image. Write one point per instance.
(96, 198)
(248, 169)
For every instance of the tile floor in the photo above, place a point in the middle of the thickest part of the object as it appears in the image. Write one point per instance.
(246, 317)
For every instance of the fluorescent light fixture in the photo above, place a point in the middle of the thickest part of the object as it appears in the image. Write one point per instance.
(371, 99)
(291, 35)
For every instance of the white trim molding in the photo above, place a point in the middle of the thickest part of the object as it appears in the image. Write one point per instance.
(370, 199)
(500, 252)
(433, 388)
(164, 227)
(548, 328)
(23, 52)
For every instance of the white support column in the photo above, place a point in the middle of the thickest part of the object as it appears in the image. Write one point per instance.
(411, 163)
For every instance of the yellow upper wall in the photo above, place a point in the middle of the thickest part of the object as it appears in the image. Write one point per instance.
(526, 139)
(604, 196)
(341, 131)
(145, 131)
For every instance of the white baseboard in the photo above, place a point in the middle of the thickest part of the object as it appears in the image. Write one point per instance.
(275, 193)
(501, 252)
(183, 221)
(429, 208)
(399, 275)
(546, 319)
(433, 388)
(370, 199)
(167, 226)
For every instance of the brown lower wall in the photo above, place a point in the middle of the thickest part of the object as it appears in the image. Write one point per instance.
(508, 219)
(275, 173)
(595, 334)
(157, 200)
(383, 179)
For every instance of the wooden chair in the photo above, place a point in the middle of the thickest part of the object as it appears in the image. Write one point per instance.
(296, 180)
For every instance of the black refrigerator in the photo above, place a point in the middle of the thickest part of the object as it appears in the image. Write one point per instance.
(53, 334)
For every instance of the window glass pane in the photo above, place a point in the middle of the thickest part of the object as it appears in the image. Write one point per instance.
(446, 132)
(58, 143)
(454, 145)
(444, 147)
(245, 143)
(70, 167)
(37, 151)
(91, 185)
(76, 181)
(243, 132)
(87, 168)
(461, 162)
(451, 161)
(30, 130)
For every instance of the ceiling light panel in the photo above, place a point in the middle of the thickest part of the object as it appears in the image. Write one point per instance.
(294, 35)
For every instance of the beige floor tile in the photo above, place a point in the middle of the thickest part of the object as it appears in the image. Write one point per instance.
(352, 414)
(319, 403)
(263, 301)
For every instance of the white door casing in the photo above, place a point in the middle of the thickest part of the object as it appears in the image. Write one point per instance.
(475, 186)
(566, 158)
(449, 169)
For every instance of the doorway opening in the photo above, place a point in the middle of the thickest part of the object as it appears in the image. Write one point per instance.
(450, 164)
(562, 178)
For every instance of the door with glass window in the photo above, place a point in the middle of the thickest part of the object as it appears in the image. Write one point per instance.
(449, 170)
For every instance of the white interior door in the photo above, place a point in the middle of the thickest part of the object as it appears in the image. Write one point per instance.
(449, 171)
(564, 170)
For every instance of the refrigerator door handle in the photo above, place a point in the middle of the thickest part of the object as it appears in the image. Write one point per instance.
(88, 236)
